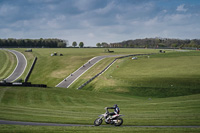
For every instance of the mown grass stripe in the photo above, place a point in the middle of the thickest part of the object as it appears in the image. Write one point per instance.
(45, 111)
(4, 62)
(8, 67)
(2, 92)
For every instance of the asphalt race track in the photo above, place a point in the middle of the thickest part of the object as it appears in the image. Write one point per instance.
(74, 76)
(19, 69)
(5, 122)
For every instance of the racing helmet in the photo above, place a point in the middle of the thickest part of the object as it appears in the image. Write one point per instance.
(115, 106)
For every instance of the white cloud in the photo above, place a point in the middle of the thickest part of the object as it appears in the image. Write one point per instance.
(152, 22)
(6, 10)
(83, 5)
(86, 24)
(57, 22)
(93, 21)
(164, 11)
(107, 8)
(91, 35)
(177, 19)
(181, 8)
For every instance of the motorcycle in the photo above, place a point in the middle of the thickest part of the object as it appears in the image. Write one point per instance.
(115, 119)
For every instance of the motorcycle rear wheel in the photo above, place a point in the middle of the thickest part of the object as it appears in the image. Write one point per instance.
(98, 122)
(119, 122)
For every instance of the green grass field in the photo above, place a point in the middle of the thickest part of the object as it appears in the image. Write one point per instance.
(8, 63)
(47, 129)
(160, 75)
(59, 105)
(52, 70)
(160, 90)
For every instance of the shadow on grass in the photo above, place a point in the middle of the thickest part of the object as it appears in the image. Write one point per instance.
(159, 87)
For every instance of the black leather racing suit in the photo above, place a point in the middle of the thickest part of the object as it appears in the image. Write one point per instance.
(116, 110)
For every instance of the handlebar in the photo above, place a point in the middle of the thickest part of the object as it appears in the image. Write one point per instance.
(106, 110)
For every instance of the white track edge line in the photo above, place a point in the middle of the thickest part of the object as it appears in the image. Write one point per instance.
(108, 67)
(79, 69)
(16, 65)
(84, 72)
(74, 72)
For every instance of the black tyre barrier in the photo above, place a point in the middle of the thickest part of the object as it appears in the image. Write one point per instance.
(24, 84)
(31, 69)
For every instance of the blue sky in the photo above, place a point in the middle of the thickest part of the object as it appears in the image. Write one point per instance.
(93, 21)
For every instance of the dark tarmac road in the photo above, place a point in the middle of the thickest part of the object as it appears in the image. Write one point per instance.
(75, 75)
(6, 122)
(19, 69)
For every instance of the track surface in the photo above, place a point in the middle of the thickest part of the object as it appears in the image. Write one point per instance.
(74, 76)
(19, 69)
(78, 125)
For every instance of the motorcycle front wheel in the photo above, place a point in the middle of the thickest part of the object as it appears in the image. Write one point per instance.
(98, 122)
(119, 122)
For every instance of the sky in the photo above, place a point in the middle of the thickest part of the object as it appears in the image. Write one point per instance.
(97, 21)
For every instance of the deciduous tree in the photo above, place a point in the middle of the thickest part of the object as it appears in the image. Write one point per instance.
(81, 44)
(74, 44)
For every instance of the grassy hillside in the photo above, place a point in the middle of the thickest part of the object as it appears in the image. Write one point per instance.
(160, 75)
(72, 106)
(8, 63)
(52, 70)
(160, 90)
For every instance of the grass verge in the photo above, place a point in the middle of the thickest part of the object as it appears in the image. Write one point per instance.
(58, 105)
(8, 63)
(39, 129)
(160, 75)
(51, 70)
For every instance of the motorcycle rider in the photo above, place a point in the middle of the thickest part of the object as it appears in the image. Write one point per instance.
(116, 111)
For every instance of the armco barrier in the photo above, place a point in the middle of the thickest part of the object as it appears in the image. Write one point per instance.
(31, 69)
(80, 87)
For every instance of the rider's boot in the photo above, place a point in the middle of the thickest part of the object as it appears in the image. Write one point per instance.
(109, 118)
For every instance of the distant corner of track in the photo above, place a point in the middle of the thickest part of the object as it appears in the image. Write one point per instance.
(20, 67)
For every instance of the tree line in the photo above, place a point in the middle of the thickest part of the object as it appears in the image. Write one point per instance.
(137, 43)
(81, 44)
(154, 43)
(33, 43)
(37, 43)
